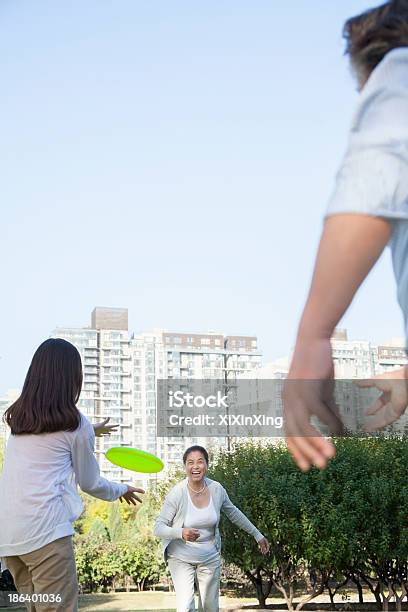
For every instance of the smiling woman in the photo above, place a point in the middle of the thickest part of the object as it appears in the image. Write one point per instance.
(188, 526)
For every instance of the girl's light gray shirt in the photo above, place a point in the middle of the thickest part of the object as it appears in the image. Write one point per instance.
(39, 497)
(169, 523)
(373, 177)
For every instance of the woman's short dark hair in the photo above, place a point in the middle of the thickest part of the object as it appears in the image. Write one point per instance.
(50, 393)
(198, 448)
(371, 35)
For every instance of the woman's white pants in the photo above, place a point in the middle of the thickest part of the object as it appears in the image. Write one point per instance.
(205, 575)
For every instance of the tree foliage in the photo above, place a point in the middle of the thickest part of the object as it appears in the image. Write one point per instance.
(115, 544)
(345, 523)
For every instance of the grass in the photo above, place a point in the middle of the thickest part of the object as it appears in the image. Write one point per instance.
(149, 601)
(161, 601)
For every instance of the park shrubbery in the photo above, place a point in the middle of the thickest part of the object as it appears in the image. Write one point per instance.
(115, 546)
(346, 524)
(105, 565)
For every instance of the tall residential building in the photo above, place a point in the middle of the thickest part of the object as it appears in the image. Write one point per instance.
(173, 355)
(363, 359)
(121, 374)
(353, 360)
(357, 359)
(106, 358)
(390, 356)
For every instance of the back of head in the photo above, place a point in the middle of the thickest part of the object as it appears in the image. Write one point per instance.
(51, 390)
(374, 33)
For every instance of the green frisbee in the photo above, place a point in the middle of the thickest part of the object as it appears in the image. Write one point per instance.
(134, 459)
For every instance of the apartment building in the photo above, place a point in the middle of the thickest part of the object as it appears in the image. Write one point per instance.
(121, 373)
(161, 355)
(107, 388)
(353, 360)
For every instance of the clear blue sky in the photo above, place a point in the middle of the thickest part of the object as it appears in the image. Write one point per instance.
(175, 158)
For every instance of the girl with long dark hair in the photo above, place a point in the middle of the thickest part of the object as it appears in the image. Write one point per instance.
(49, 452)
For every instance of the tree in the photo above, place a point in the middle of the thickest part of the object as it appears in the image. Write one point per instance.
(265, 484)
(112, 515)
(98, 529)
(326, 528)
(115, 523)
(142, 560)
(384, 567)
(115, 542)
(98, 563)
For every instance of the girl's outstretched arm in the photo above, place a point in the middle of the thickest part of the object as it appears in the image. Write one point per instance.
(238, 518)
(86, 467)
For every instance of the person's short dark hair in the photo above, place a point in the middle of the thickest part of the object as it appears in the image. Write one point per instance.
(198, 448)
(50, 393)
(374, 33)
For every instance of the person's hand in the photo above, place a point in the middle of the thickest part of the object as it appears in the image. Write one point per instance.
(103, 429)
(130, 496)
(308, 391)
(393, 401)
(264, 546)
(190, 535)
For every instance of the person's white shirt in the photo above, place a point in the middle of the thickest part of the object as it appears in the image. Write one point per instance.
(373, 177)
(203, 549)
(39, 497)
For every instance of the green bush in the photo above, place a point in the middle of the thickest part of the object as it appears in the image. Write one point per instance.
(348, 522)
(115, 545)
(98, 563)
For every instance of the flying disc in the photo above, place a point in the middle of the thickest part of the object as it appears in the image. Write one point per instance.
(134, 459)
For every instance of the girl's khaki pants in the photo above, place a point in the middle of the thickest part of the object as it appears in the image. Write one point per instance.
(49, 572)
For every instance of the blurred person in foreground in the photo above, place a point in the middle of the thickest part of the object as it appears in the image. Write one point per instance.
(367, 211)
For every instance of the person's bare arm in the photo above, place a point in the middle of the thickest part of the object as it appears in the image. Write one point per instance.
(349, 247)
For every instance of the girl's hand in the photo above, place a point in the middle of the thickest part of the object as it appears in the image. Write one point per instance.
(392, 403)
(264, 546)
(190, 535)
(130, 497)
(102, 429)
